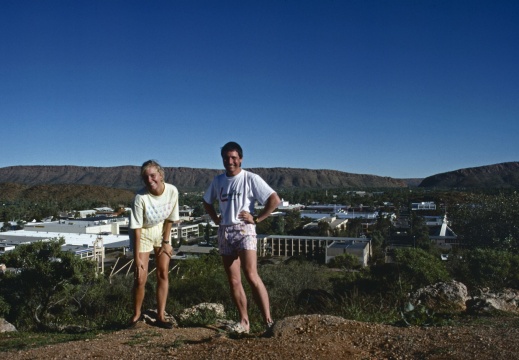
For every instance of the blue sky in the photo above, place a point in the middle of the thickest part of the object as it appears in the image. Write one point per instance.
(391, 88)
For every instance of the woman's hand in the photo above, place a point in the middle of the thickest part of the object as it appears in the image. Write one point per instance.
(139, 268)
(166, 249)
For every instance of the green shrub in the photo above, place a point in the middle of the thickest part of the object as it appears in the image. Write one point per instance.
(362, 307)
(495, 269)
(195, 281)
(44, 294)
(420, 268)
(422, 316)
(285, 282)
(4, 307)
(108, 304)
(345, 261)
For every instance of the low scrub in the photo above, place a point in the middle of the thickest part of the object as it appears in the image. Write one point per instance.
(65, 295)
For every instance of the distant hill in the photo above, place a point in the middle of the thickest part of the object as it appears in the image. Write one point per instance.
(412, 182)
(64, 193)
(188, 179)
(118, 184)
(504, 175)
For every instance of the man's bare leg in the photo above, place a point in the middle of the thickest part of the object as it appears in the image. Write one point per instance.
(249, 264)
(233, 270)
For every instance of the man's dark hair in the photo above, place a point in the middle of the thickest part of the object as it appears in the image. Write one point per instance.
(232, 146)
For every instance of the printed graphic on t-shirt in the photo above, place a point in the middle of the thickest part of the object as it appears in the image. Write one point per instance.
(232, 195)
(157, 213)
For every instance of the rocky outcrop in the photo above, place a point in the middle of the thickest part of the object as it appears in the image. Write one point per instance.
(212, 310)
(487, 302)
(450, 297)
(442, 297)
(6, 326)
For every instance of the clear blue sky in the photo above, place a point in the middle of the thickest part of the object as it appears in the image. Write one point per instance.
(391, 88)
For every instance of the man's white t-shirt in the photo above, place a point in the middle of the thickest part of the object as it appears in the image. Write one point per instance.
(149, 210)
(237, 193)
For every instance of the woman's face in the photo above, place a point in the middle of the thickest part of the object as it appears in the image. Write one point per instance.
(153, 180)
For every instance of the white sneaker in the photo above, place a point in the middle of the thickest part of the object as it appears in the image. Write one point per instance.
(237, 328)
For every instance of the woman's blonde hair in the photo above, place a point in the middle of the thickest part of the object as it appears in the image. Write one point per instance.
(151, 163)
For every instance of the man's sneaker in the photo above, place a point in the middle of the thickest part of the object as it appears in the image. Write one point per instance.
(269, 329)
(236, 328)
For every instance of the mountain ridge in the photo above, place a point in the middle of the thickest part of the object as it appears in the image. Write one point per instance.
(502, 175)
(127, 177)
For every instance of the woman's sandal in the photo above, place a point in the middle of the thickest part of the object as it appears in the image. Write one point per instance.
(163, 324)
(133, 324)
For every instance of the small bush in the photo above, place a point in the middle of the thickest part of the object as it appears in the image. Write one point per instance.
(285, 283)
(368, 308)
(422, 316)
(4, 307)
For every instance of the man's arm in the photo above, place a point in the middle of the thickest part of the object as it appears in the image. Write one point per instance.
(270, 205)
(209, 209)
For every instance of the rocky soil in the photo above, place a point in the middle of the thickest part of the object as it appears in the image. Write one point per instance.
(299, 337)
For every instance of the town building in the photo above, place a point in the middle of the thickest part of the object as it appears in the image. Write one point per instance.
(191, 251)
(442, 235)
(425, 205)
(186, 231)
(290, 246)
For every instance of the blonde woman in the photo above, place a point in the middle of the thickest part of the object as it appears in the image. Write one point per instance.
(154, 210)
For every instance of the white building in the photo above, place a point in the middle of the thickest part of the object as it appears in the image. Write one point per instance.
(83, 233)
(97, 225)
(4, 247)
(288, 246)
(186, 231)
(424, 205)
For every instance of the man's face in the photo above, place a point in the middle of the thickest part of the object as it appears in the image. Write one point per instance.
(232, 163)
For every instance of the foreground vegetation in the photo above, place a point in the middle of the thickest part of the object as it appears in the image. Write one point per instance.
(66, 296)
(54, 291)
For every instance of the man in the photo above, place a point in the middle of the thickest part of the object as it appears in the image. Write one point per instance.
(237, 190)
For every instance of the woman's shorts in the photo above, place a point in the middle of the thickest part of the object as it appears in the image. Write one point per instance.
(233, 238)
(150, 238)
